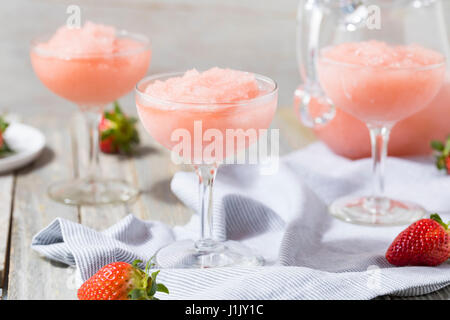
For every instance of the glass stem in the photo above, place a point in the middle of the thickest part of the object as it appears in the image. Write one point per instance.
(206, 175)
(379, 138)
(92, 117)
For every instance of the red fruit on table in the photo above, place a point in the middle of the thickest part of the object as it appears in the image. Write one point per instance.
(117, 131)
(121, 281)
(424, 243)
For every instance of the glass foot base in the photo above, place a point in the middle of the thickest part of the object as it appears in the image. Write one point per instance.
(92, 192)
(376, 211)
(184, 254)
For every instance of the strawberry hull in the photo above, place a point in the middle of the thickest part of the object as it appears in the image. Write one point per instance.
(117, 131)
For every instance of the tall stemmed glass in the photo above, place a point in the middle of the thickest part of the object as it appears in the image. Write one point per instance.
(92, 81)
(380, 76)
(163, 118)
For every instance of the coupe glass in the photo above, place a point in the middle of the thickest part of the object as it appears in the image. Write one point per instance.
(162, 118)
(379, 95)
(92, 81)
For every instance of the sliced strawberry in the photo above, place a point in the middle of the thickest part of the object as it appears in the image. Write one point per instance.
(118, 133)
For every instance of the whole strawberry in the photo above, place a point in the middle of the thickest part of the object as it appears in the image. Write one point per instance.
(117, 131)
(121, 281)
(424, 243)
(442, 154)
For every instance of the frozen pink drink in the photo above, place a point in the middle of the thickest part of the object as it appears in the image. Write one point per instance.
(219, 99)
(92, 65)
(377, 83)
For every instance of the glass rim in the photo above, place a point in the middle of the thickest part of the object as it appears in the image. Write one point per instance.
(390, 68)
(386, 3)
(119, 33)
(141, 92)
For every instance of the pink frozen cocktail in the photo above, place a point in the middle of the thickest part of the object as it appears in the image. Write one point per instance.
(380, 85)
(206, 109)
(376, 82)
(91, 66)
(217, 99)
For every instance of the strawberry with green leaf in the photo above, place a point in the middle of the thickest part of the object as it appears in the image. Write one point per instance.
(118, 132)
(122, 281)
(426, 242)
(442, 152)
(4, 148)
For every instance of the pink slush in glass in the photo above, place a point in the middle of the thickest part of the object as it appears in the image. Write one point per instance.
(219, 100)
(380, 85)
(91, 66)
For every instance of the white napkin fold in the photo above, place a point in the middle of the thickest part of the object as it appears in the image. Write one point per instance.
(283, 217)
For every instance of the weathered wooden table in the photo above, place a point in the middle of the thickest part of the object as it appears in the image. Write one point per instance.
(25, 207)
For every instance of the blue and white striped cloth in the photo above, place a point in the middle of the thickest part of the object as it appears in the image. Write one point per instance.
(283, 217)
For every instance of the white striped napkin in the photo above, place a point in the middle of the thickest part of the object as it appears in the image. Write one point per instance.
(283, 217)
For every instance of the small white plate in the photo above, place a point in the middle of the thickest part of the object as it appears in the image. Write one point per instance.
(26, 142)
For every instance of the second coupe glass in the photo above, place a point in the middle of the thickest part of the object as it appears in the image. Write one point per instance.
(92, 80)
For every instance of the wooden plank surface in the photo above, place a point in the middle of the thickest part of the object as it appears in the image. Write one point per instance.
(31, 277)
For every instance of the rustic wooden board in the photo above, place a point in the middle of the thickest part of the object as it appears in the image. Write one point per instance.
(30, 276)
